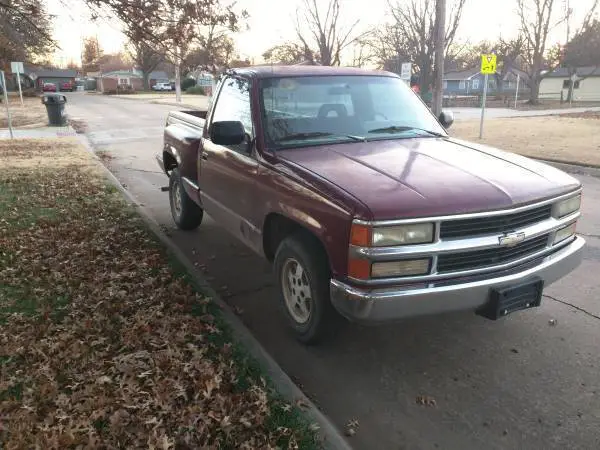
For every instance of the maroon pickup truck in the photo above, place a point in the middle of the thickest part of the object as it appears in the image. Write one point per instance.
(366, 207)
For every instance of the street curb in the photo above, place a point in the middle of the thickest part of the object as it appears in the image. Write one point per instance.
(185, 105)
(331, 437)
(155, 102)
(573, 167)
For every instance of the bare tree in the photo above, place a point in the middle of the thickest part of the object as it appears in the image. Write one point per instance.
(90, 59)
(25, 31)
(215, 47)
(170, 27)
(583, 50)
(212, 57)
(145, 58)
(110, 62)
(286, 53)
(361, 54)
(537, 18)
(410, 37)
(322, 36)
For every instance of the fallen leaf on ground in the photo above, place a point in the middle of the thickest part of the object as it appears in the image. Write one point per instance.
(102, 345)
(425, 400)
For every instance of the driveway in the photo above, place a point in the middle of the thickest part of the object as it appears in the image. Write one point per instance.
(530, 381)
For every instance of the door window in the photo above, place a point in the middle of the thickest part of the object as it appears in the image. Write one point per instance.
(233, 103)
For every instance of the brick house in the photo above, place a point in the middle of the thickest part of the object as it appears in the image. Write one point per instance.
(54, 76)
(119, 80)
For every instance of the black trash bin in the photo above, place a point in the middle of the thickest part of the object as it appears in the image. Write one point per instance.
(55, 107)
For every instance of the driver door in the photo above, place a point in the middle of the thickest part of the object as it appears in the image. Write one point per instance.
(228, 173)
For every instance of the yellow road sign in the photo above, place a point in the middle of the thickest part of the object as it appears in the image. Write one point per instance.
(488, 64)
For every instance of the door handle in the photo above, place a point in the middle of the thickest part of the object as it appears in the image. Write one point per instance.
(204, 156)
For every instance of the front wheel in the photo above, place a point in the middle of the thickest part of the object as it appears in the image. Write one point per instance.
(303, 278)
(187, 215)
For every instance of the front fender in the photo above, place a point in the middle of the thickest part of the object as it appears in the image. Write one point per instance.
(328, 221)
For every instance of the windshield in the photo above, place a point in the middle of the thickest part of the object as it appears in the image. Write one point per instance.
(304, 111)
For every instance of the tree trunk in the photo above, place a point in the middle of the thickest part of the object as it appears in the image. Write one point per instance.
(571, 85)
(146, 76)
(534, 93)
(177, 83)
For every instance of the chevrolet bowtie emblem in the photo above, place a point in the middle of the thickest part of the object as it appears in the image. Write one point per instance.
(511, 239)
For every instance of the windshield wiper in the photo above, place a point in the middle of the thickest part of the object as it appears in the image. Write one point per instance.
(317, 134)
(399, 129)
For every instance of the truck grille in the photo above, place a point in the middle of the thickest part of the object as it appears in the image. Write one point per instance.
(495, 224)
(479, 259)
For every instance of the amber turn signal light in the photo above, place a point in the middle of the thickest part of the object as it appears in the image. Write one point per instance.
(360, 235)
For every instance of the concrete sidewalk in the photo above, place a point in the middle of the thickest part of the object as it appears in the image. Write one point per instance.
(187, 101)
(496, 113)
(39, 133)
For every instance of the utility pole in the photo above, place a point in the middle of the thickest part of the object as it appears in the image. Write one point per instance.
(440, 44)
(568, 13)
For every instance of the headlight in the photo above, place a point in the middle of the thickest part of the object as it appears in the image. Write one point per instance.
(418, 233)
(400, 268)
(564, 233)
(566, 207)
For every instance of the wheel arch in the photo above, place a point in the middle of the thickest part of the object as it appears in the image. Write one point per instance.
(277, 227)
(169, 160)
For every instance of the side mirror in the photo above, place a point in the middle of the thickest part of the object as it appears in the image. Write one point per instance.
(446, 118)
(227, 132)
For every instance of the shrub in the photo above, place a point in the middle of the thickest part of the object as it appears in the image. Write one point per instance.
(187, 83)
(196, 90)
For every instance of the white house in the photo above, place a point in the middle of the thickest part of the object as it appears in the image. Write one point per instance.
(586, 86)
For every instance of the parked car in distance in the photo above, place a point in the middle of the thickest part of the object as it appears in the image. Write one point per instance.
(162, 87)
(366, 207)
(66, 86)
(49, 87)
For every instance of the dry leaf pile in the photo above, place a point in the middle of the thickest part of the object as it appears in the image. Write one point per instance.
(101, 344)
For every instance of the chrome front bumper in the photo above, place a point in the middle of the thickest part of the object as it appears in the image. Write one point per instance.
(379, 305)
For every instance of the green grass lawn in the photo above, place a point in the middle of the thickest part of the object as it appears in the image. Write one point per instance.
(103, 341)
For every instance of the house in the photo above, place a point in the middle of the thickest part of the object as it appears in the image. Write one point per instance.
(471, 81)
(586, 84)
(13, 85)
(462, 82)
(119, 80)
(158, 76)
(55, 76)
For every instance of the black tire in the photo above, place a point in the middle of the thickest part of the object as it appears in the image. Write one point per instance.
(323, 320)
(187, 215)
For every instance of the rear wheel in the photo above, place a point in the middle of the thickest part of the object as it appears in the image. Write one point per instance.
(303, 278)
(186, 213)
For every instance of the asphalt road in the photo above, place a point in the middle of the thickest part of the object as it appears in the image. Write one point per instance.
(531, 381)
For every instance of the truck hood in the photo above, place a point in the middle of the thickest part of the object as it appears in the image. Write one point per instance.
(422, 177)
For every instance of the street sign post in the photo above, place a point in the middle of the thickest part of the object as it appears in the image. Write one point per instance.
(3, 81)
(517, 91)
(17, 67)
(488, 67)
(406, 71)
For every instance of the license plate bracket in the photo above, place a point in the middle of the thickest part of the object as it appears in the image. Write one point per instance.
(514, 298)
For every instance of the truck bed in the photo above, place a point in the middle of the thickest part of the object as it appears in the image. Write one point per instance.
(193, 118)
